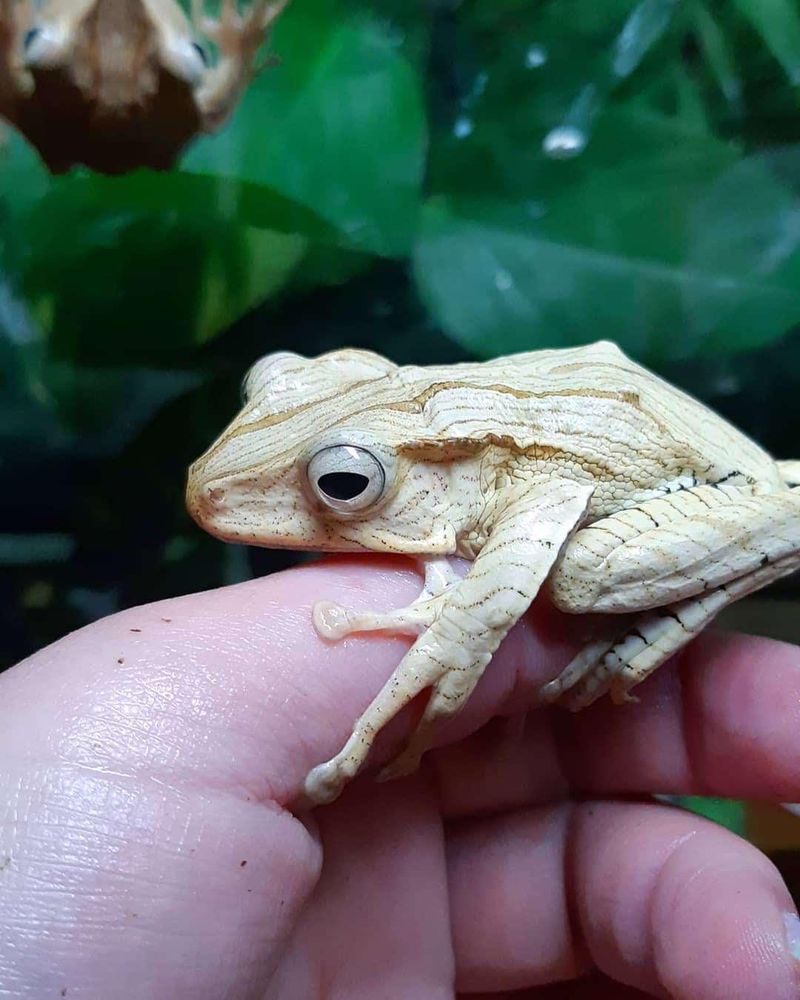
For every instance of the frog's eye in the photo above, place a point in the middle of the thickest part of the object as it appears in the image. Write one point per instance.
(45, 47)
(184, 59)
(346, 478)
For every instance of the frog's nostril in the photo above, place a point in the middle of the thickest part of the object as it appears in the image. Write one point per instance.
(204, 502)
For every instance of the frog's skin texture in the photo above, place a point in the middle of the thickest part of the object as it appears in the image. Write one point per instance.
(575, 469)
(120, 84)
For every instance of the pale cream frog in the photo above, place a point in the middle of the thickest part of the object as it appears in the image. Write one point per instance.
(574, 468)
(121, 84)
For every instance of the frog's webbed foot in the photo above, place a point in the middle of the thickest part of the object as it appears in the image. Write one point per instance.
(614, 666)
(694, 553)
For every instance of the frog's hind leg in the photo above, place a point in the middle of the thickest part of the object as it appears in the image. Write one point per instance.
(679, 561)
(652, 639)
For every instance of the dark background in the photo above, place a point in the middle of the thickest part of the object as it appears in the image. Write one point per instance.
(434, 180)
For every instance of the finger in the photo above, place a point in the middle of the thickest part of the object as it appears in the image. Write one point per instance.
(722, 719)
(143, 766)
(661, 901)
(378, 922)
(594, 987)
(508, 902)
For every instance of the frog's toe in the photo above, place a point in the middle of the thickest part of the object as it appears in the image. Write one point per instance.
(578, 672)
(324, 783)
(551, 692)
(620, 694)
(403, 765)
(331, 620)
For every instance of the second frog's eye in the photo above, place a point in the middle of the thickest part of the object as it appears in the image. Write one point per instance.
(346, 478)
(45, 46)
(201, 52)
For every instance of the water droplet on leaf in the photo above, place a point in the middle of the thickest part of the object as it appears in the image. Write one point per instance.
(535, 57)
(564, 142)
(463, 127)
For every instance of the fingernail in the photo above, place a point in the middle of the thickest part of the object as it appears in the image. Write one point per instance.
(791, 923)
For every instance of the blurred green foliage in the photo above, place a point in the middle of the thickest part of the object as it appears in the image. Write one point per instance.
(436, 181)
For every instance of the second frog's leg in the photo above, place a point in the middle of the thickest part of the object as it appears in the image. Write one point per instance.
(238, 36)
(678, 560)
(16, 19)
(529, 526)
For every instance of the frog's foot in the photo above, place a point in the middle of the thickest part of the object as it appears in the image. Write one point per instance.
(433, 662)
(237, 35)
(417, 671)
(421, 668)
(448, 696)
(333, 621)
(614, 667)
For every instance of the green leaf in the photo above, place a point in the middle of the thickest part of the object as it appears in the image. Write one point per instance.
(717, 51)
(727, 812)
(746, 230)
(645, 26)
(127, 274)
(599, 248)
(778, 23)
(104, 409)
(339, 127)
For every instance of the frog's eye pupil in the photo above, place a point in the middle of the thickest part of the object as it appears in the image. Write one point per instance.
(343, 485)
(30, 37)
(201, 52)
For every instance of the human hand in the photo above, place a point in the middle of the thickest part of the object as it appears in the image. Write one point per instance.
(150, 763)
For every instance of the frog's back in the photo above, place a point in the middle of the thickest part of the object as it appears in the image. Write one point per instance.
(595, 408)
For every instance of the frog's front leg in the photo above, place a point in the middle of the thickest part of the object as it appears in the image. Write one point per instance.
(238, 38)
(16, 18)
(528, 525)
(678, 561)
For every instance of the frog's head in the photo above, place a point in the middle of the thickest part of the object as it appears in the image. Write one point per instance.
(114, 52)
(318, 459)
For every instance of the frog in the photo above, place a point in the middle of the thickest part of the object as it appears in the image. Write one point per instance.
(115, 85)
(574, 471)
